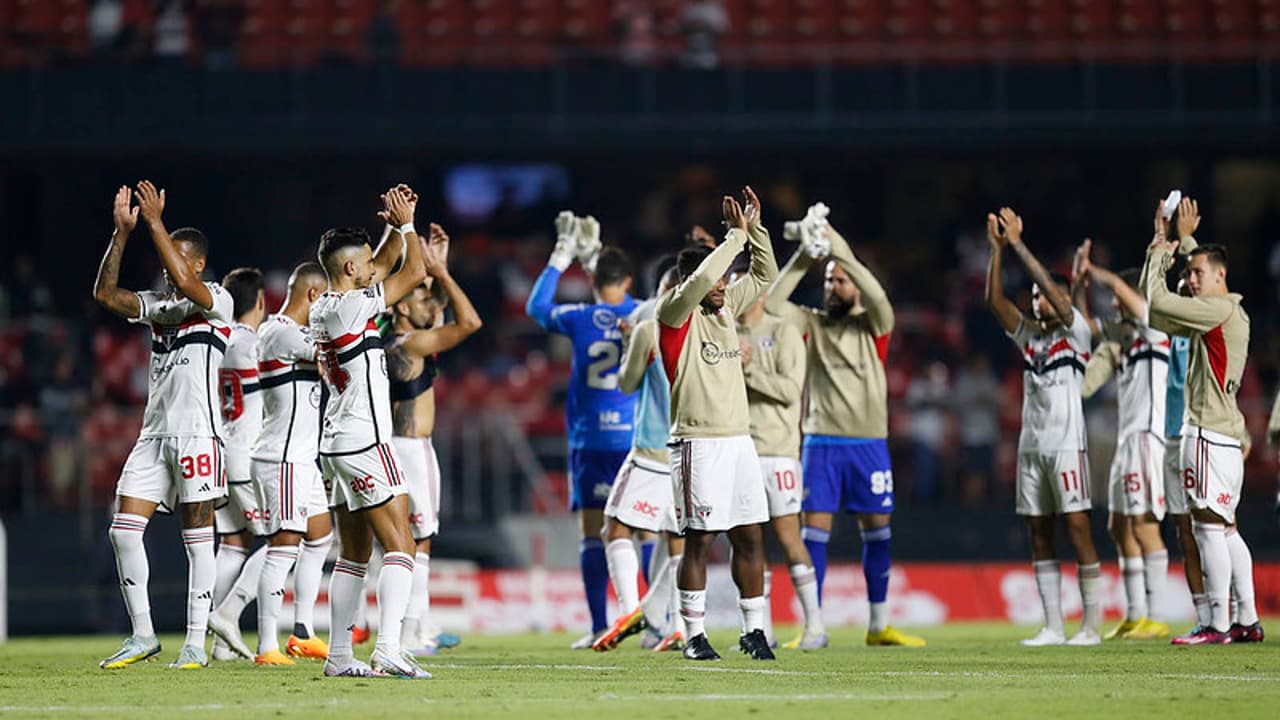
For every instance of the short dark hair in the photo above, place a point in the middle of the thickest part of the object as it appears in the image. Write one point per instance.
(1130, 276)
(309, 268)
(245, 285)
(1216, 253)
(612, 267)
(670, 277)
(336, 239)
(192, 237)
(689, 259)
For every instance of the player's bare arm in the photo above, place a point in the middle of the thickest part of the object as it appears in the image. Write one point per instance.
(676, 307)
(764, 267)
(1080, 285)
(392, 244)
(466, 320)
(1011, 225)
(106, 291)
(398, 210)
(151, 206)
(874, 298)
(1006, 312)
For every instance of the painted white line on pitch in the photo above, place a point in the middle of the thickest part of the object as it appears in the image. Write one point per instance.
(757, 671)
(517, 666)
(1070, 676)
(167, 708)
(773, 697)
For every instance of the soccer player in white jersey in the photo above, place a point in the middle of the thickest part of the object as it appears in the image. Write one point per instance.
(179, 452)
(641, 498)
(289, 491)
(1138, 356)
(237, 521)
(356, 456)
(1053, 468)
(419, 334)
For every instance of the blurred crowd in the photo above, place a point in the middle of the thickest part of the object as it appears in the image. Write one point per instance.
(72, 380)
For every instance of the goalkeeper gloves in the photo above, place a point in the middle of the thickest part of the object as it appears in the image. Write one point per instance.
(588, 245)
(566, 241)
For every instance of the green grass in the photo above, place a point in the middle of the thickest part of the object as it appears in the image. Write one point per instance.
(968, 671)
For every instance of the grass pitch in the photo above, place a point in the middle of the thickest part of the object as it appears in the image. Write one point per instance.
(968, 671)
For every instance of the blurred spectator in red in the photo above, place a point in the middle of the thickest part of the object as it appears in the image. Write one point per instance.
(637, 35)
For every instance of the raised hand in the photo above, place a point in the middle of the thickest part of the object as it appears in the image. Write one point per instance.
(125, 217)
(1188, 217)
(1011, 225)
(566, 225)
(435, 251)
(150, 201)
(994, 234)
(397, 207)
(751, 208)
(734, 218)
(1161, 222)
(587, 248)
(1080, 264)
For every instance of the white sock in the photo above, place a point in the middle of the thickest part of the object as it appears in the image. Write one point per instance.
(624, 565)
(230, 558)
(1203, 614)
(878, 618)
(133, 569)
(657, 602)
(346, 586)
(1155, 572)
(370, 585)
(693, 610)
(752, 613)
(395, 583)
(1215, 560)
(201, 571)
(307, 574)
(1242, 577)
(1049, 583)
(806, 583)
(1135, 591)
(419, 599)
(275, 571)
(1088, 576)
(245, 590)
(767, 609)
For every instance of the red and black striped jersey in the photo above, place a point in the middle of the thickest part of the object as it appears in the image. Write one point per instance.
(187, 345)
(290, 392)
(241, 399)
(1053, 364)
(354, 369)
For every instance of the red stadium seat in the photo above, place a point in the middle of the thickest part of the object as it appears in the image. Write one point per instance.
(1235, 24)
(538, 21)
(1269, 20)
(1000, 21)
(1092, 21)
(1138, 21)
(587, 22)
(863, 20)
(909, 22)
(815, 21)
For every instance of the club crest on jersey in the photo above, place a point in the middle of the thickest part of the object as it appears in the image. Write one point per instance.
(604, 319)
(766, 343)
(712, 354)
(702, 511)
(166, 334)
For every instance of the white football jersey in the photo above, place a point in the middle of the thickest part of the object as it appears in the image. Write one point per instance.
(290, 392)
(1141, 378)
(1053, 372)
(240, 394)
(187, 345)
(354, 369)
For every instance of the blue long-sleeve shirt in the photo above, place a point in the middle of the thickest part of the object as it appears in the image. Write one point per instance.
(599, 415)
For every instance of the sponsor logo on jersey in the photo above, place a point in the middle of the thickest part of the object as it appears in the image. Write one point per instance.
(712, 354)
(644, 507)
(159, 371)
(604, 319)
(315, 396)
(601, 490)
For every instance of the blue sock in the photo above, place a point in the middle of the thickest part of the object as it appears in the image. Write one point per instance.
(595, 580)
(815, 541)
(876, 562)
(646, 557)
